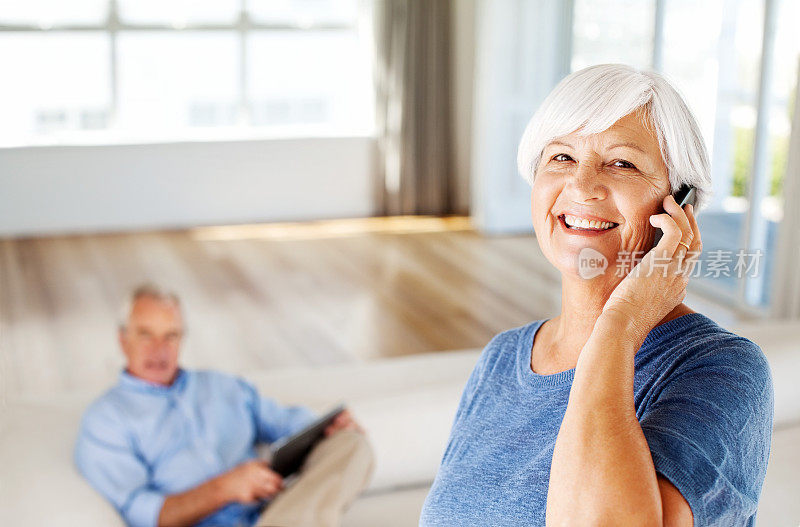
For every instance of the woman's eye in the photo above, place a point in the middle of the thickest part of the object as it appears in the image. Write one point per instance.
(561, 157)
(621, 163)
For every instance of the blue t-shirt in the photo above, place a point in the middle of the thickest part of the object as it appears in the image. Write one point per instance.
(703, 398)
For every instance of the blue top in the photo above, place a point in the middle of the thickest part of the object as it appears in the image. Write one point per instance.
(140, 442)
(703, 398)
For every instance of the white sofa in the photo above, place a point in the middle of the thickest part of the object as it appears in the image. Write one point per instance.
(407, 405)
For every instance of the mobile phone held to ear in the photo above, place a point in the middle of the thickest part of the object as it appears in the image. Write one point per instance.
(685, 194)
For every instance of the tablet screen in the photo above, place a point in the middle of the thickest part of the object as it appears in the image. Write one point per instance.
(289, 454)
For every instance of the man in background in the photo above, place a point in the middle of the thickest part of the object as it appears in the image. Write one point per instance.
(174, 447)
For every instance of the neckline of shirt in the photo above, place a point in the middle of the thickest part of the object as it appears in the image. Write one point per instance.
(565, 378)
(135, 383)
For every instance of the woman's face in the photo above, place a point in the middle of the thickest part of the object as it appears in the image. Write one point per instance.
(617, 177)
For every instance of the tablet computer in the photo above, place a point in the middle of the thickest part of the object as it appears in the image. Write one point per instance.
(289, 453)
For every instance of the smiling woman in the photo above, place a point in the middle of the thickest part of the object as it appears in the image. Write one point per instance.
(628, 407)
(604, 185)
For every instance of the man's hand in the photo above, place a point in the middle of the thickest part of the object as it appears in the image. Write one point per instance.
(343, 421)
(245, 483)
(249, 482)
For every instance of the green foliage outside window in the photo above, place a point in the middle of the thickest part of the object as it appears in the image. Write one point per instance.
(743, 158)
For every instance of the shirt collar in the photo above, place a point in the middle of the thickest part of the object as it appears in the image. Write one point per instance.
(126, 380)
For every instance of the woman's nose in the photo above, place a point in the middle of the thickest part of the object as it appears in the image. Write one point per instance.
(585, 183)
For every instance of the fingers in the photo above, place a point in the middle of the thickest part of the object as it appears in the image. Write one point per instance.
(672, 234)
(344, 417)
(351, 423)
(343, 421)
(677, 228)
(679, 215)
(696, 247)
(687, 235)
(697, 243)
(252, 481)
(269, 484)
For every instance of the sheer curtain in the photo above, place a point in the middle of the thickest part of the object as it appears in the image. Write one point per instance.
(412, 77)
(786, 284)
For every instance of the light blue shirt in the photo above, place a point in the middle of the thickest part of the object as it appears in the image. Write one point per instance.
(140, 442)
(703, 397)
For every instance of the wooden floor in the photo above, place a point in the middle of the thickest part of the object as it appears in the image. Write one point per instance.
(266, 296)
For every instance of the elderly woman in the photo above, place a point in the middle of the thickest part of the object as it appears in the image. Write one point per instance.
(628, 408)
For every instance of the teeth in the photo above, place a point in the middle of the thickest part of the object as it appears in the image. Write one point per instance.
(574, 221)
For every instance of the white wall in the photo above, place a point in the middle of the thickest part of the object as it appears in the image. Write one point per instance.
(68, 189)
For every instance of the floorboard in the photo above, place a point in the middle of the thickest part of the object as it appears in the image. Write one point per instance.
(269, 296)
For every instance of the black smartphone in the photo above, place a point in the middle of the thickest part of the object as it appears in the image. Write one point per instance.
(685, 194)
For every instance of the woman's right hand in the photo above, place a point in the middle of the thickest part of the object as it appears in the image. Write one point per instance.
(657, 284)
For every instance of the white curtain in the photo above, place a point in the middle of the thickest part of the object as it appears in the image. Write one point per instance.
(412, 80)
(786, 282)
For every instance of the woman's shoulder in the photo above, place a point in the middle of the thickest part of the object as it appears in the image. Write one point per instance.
(697, 341)
(713, 340)
(514, 335)
(700, 334)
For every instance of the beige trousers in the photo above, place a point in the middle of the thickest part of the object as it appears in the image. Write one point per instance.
(333, 475)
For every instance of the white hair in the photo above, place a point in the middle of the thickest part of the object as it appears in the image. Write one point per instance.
(148, 290)
(594, 98)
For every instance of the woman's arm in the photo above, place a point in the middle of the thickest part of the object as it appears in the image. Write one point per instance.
(602, 472)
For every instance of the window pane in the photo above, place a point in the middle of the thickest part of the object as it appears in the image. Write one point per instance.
(178, 13)
(781, 106)
(52, 82)
(718, 71)
(693, 63)
(613, 31)
(46, 13)
(172, 80)
(309, 77)
(784, 80)
(303, 12)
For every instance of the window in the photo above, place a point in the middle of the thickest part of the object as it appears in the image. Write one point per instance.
(53, 81)
(102, 70)
(742, 97)
(612, 31)
(155, 93)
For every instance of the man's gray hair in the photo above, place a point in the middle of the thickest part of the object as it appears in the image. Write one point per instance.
(594, 98)
(146, 290)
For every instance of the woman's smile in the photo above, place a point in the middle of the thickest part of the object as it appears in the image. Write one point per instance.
(581, 226)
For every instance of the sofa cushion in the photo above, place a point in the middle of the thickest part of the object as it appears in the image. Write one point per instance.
(406, 405)
(779, 504)
(398, 508)
(38, 482)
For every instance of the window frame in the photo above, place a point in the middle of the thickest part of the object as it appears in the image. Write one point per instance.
(753, 235)
(242, 26)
